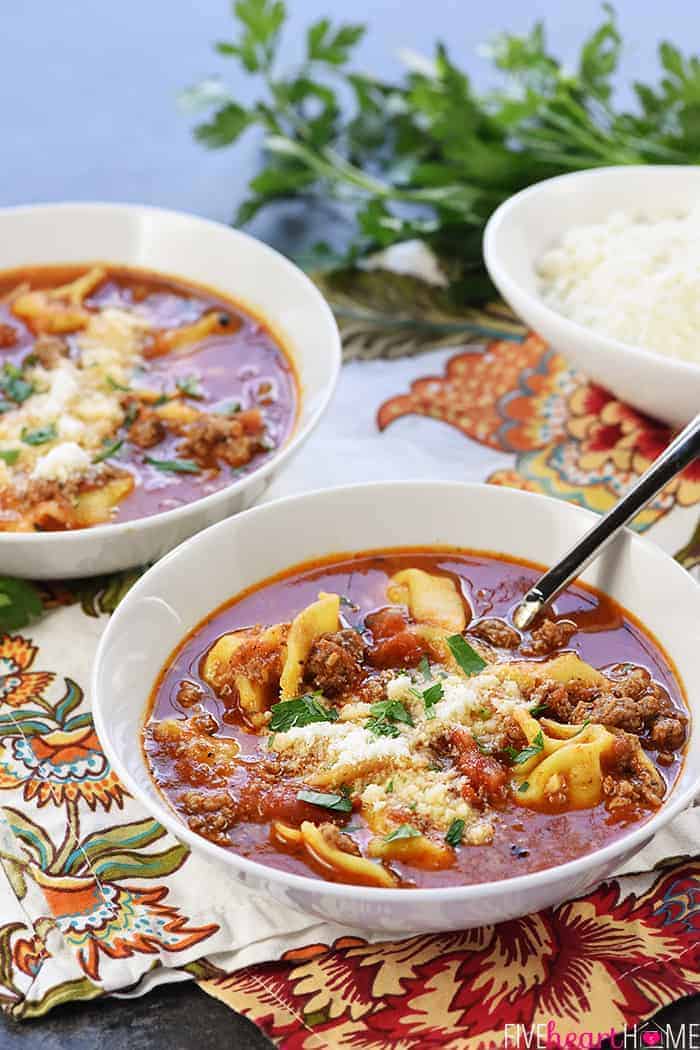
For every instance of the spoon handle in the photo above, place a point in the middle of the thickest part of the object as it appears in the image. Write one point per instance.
(684, 448)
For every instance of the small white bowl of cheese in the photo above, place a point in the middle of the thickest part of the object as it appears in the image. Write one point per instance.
(605, 266)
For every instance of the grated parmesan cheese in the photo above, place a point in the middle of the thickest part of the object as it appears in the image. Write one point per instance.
(62, 462)
(631, 278)
(78, 398)
(395, 775)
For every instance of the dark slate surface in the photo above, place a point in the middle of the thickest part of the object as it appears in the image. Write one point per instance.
(89, 114)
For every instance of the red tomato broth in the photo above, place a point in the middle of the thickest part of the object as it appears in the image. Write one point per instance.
(491, 585)
(228, 368)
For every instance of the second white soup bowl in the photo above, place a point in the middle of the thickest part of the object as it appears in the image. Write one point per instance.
(209, 254)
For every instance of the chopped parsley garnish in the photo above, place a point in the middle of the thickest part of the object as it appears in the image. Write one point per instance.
(484, 713)
(467, 658)
(117, 386)
(190, 386)
(389, 787)
(301, 711)
(131, 413)
(404, 831)
(176, 466)
(40, 435)
(384, 716)
(483, 748)
(424, 668)
(9, 455)
(524, 786)
(584, 725)
(109, 449)
(162, 400)
(432, 695)
(537, 710)
(519, 758)
(455, 832)
(338, 803)
(382, 728)
(13, 385)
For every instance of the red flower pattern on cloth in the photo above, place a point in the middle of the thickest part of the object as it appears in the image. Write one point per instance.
(570, 438)
(590, 965)
(52, 772)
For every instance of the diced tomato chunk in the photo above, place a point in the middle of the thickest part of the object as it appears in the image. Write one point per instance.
(260, 801)
(385, 623)
(405, 649)
(486, 777)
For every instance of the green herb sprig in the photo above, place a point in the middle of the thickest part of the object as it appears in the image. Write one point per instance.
(13, 385)
(301, 711)
(174, 466)
(519, 758)
(384, 717)
(467, 658)
(427, 155)
(338, 803)
(40, 435)
(109, 449)
(404, 831)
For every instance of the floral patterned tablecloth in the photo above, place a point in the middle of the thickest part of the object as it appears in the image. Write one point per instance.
(96, 898)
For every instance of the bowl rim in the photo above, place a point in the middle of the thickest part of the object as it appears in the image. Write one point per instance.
(243, 866)
(297, 436)
(509, 286)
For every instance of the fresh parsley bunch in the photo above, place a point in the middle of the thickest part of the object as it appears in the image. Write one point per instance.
(429, 157)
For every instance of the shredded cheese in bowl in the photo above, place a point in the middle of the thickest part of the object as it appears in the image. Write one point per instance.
(634, 279)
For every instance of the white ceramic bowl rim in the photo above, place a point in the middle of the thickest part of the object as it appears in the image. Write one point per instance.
(678, 800)
(499, 267)
(296, 438)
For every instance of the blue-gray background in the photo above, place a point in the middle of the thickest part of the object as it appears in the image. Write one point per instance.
(88, 88)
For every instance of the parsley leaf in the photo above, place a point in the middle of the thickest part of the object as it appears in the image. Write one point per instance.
(13, 385)
(455, 832)
(109, 449)
(111, 382)
(175, 466)
(538, 709)
(382, 728)
(384, 716)
(301, 711)
(40, 435)
(9, 455)
(404, 831)
(20, 603)
(424, 668)
(432, 695)
(323, 45)
(467, 658)
(523, 787)
(338, 803)
(519, 758)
